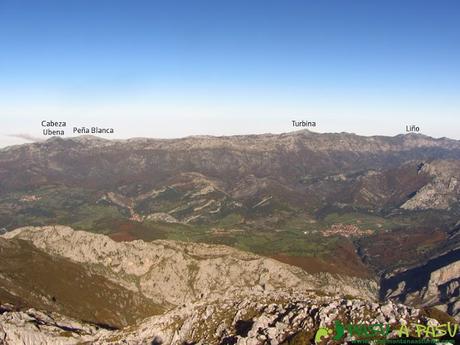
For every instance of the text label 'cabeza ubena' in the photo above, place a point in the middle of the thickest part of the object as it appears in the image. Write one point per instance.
(53, 127)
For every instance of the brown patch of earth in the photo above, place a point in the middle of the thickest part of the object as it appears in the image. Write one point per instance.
(122, 236)
(127, 230)
(343, 260)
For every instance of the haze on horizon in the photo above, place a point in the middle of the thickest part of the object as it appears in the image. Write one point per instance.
(176, 68)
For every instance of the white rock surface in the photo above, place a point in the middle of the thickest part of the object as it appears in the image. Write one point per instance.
(174, 273)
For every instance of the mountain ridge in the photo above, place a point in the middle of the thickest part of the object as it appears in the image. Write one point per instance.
(172, 272)
(302, 132)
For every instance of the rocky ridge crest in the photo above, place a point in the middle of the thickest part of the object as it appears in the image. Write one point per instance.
(172, 273)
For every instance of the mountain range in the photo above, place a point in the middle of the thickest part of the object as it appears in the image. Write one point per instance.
(375, 218)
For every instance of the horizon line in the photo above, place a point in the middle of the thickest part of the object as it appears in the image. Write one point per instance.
(196, 136)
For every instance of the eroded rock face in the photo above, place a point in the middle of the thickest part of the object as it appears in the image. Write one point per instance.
(442, 192)
(33, 327)
(173, 273)
(435, 283)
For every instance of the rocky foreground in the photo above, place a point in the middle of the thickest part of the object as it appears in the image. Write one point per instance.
(205, 294)
(249, 319)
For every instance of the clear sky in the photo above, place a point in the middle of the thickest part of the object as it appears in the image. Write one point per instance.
(176, 68)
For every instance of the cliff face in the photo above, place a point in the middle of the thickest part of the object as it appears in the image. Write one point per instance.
(442, 192)
(434, 283)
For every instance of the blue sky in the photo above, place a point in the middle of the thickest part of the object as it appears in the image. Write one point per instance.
(176, 68)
